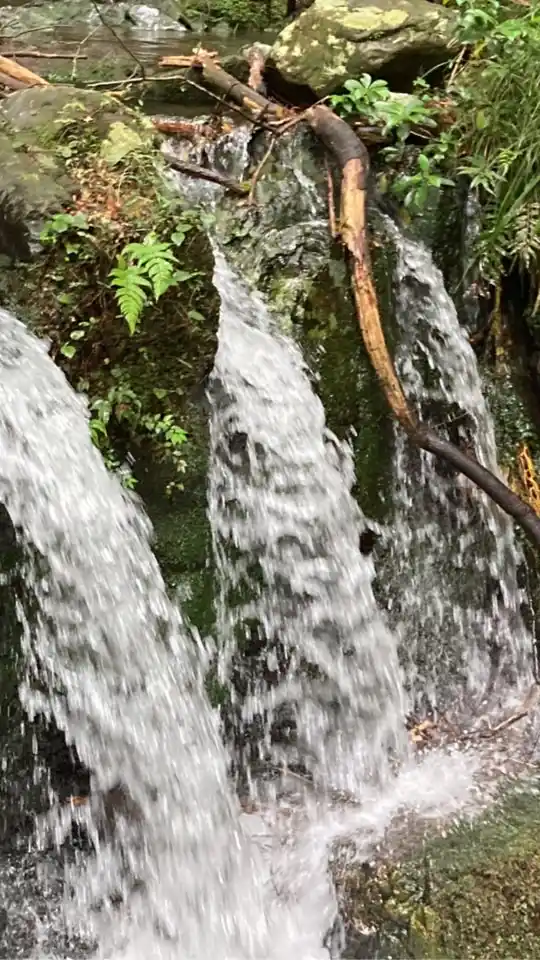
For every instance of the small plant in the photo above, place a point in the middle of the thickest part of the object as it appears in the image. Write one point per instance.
(414, 189)
(394, 112)
(144, 270)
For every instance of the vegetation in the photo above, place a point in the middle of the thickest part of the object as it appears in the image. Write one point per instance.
(116, 281)
(239, 14)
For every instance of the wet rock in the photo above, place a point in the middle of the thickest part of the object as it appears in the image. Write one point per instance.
(157, 17)
(334, 40)
(35, 183)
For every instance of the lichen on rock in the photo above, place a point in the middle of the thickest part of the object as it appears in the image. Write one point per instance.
(336, 39)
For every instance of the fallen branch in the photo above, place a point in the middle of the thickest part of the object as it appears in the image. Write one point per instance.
(21, 74)
(353, 158)
(256, 70)
(183, 128)
(256, 176)
(42, 55)
(192, 170)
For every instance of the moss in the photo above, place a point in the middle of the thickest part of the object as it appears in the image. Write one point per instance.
(473, 894)
(119, 187)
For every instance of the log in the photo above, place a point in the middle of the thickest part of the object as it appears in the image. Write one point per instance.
(192, 170)
(353, 159)
(21, 74)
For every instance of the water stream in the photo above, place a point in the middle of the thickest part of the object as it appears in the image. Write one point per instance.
(307, 662)
(454, 585)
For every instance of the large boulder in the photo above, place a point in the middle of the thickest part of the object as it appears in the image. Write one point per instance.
(337, 39)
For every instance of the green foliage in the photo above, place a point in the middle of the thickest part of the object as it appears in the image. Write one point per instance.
(373, 101)
(497, 136)
(238, 14)
(107, 298)
(143, 270)
(414, 188)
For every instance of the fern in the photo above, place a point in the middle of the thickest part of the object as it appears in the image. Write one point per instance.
(131, 291)
(141, 268)
(525, 243)
(156, 259)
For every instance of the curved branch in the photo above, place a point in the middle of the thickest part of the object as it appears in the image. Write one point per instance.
(353, 159)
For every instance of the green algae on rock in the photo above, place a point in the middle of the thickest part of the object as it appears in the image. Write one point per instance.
(337, 39)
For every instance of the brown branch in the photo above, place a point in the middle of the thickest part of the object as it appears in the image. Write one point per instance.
(257, 175)
(192, 170)
(353, 158)
(21, 74)
(256, 70)
(183, 128)
(41, 55)
(354, 162)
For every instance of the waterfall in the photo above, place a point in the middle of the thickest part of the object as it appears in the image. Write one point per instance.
(454, 591)
(112, 661)
(296, 597)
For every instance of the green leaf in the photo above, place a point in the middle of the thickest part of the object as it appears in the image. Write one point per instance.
(68, 350)
(423, 163)
(121, 141)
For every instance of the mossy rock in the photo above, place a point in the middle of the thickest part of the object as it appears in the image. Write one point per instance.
(471, 895)
(338, 39)
(34, 125)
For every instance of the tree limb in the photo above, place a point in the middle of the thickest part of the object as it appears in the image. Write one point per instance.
(21, 74)
(353, 159)
(192, 170)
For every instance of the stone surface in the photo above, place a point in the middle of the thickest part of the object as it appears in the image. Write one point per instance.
(160, 16)
(334, 40)
(35, 183)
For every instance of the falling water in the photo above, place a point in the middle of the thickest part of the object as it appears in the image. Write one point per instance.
(121, 674)
(455, 594)
(296, 595)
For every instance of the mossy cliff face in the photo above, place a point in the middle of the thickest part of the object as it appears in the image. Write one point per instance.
(472, 895)
(337, 39)
(89, 172)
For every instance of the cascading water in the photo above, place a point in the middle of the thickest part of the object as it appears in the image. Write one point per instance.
(286, 531)
(454, 583)
(123, 676)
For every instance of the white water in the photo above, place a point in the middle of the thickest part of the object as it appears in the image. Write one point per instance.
(122, 676)
(454, 566)
(293, 581)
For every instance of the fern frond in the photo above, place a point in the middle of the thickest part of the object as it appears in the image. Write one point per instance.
(131, 296)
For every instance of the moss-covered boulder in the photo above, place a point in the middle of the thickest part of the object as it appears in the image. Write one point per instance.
(334, 40)
(87, 192)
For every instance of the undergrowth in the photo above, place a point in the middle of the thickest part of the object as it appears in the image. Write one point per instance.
(115, 284)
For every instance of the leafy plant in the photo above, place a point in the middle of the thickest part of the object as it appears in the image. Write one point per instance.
(374, 101)
(414, 189)
(143, 270)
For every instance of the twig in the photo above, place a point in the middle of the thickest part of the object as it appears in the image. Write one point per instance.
(256, 176)
(493, 731)
(39, 54)
(192, 170)
(332, 220)
(78, 55)
(119, 39)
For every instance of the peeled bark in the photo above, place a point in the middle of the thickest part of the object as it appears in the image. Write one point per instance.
(21, 74)
(353, 158)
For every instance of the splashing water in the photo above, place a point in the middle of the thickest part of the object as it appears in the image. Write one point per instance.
(123, 678)
(295, 590)
(455, 593)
